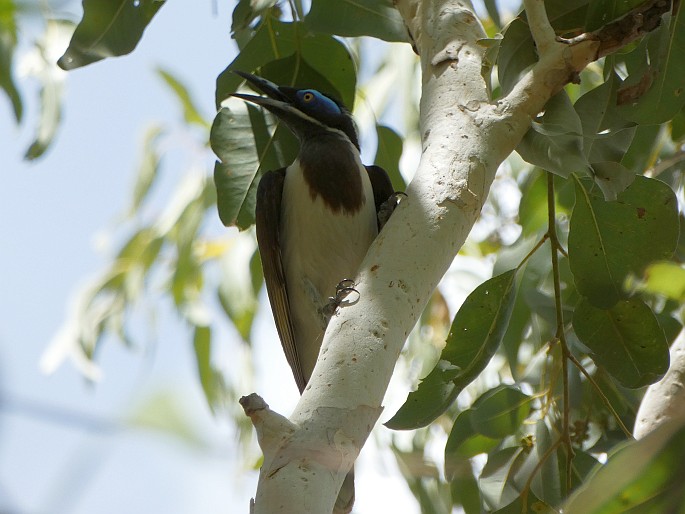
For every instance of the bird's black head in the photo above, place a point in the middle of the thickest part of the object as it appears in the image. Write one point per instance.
(307, 112)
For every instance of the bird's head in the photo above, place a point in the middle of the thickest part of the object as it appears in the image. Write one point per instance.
(307, 112)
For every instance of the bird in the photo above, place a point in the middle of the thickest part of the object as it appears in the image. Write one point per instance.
(315, 220)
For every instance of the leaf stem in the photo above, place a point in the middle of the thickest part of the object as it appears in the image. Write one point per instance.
(601, 394)
(560, 334)
(533, 250)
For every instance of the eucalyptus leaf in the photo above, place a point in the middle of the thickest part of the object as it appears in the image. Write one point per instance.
(626, 340)
(108, 28)
(274, 40)
(656, 94)
(609, 240)
(555, 139)
(388, 155)
(375, 18)
(475, 335)
(643, 476)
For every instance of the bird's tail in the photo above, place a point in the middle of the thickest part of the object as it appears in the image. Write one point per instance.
(345, 501)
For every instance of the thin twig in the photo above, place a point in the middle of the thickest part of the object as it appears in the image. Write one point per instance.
(601, 394)
(560, 334)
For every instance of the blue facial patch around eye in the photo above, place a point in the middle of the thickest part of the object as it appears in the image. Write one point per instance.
(318, 101)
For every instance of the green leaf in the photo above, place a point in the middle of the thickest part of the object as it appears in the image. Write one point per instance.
(108, 28)
(541, 469)
(388, 155)
(236, 292)
(8, 43)
(645, 476)
(190, 112)
(533, 206)
(656, 94)
(500, 411)
(612, 178)
(465, 442)
(626, 340)
(644, 148)
(464, 489)
(602, 12)
(475, 335)
(607, 240)
(330, 66)
(606, 134)
(202, 342)
(246, 144)
(375, 18)
(665, 278)
(516, 54)
(164, 412)
(555, 140)
(147, 169)
(51, 90)
(496, 482)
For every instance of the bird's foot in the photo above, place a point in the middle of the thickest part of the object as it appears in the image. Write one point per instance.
(344, 288)
(388, 207)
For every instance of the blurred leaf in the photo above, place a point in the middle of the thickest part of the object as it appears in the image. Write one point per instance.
(626, 339)
(51, 80)
(464, 488)
(209, 377)
(465, 441)
(555, 140)
(236, 292)
(329, 62)
(256, 272)
(388, 155)
(8, 43)
(533, 206)
(493, 12)
(190, 112)
(496, 482)
(645, 471)
(500, 411)
(475, 335)
(147, 169)
(665, 278)
(607, 239)
(540, 469)
(375, 18)
(656, 95)
(163, 412)
(108, 28)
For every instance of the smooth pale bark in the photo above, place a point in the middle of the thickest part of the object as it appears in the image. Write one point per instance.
(665, 400)
(465, 138)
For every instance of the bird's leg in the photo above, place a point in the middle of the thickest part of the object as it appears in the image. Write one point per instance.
(342, 290)
(387, 208)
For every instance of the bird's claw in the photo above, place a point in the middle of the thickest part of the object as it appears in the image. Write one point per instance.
(386, 209)
(342, 290)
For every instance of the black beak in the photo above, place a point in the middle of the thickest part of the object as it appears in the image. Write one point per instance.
(279, 102)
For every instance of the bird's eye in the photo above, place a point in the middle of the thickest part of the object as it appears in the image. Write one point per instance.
(308, 97)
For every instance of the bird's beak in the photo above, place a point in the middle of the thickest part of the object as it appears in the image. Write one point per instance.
(278, 101)
(275, 100)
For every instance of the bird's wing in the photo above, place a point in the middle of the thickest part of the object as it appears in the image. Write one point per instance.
(268, 221)
(383, 193)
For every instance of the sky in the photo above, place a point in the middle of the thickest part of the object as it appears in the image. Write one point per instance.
(63, 447)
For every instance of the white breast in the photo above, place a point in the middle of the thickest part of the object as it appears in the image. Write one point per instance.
(320, 249)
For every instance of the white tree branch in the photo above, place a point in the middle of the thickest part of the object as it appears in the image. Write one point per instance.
(465, 139)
